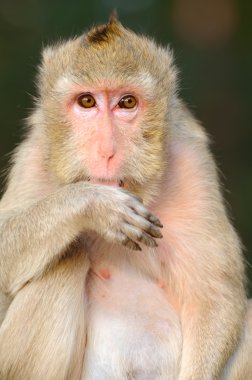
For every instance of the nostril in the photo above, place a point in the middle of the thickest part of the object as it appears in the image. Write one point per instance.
(107, 154)
(106, 148)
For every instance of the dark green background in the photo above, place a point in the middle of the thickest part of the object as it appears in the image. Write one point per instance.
(212, 41)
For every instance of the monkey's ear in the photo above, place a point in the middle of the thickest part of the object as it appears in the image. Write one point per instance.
(47, 55)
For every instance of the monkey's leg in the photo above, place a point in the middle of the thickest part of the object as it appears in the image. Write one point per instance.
(43, 334)
(207, 341)
(239, 367)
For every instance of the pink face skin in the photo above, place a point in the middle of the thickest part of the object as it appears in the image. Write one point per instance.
(103, 133)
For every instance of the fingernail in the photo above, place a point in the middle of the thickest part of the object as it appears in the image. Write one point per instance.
(137, 248)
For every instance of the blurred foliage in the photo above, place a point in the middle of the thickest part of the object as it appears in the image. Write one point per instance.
(212, 42)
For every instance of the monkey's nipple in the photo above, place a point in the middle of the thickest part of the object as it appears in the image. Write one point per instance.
(105, 274)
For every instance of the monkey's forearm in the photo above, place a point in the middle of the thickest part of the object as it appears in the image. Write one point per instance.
(239, 365)
(33, 238)
(209, 340)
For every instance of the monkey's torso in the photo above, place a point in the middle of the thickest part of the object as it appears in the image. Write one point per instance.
(106, 312)
(132, 321)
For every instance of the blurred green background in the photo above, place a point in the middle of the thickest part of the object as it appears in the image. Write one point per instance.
(212, 41)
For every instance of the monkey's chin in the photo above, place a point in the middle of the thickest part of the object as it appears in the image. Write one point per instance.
(118, 183)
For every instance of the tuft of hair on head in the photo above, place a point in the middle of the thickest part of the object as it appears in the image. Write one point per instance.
(105, 32)
(113, 18)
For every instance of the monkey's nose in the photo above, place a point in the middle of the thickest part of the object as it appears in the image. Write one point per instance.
(107, 156)
(107, 152)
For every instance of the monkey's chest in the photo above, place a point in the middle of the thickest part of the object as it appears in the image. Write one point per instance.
(133, 332)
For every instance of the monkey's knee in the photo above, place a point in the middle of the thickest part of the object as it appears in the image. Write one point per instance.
(56, 302)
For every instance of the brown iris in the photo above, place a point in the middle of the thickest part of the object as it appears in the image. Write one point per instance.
(86, 101)
(128, 101)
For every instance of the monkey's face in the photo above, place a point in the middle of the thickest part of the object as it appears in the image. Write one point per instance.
(105, 106)
(105, 124)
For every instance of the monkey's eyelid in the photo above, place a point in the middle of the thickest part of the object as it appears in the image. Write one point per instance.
(86, 101)
(128, 102)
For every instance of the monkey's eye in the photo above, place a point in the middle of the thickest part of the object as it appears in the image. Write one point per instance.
(86, 101)
(127, 101)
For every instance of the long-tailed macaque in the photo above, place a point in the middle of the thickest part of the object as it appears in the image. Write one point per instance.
(117, 257)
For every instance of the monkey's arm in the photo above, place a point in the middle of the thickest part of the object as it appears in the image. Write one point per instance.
(239, 365)
(213, 313)
(33, 238)
(213, 298)
(210, 337)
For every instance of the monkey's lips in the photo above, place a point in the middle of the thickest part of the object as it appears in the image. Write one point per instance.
(106, 182)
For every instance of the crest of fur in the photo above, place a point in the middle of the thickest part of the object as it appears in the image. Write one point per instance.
(105, 32)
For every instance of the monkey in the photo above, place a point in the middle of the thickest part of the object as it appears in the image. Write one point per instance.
(118, 259)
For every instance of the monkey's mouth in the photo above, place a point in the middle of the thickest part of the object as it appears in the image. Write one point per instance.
(116, 183)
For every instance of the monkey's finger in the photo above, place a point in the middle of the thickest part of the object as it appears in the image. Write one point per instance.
(137, 197)
(142, 210)
(127, 242)
(143, 224)
(120, 237)
(136, 234)
(153, 219)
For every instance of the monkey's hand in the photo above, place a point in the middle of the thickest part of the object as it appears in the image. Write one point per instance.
(120, 217)
(32, 238)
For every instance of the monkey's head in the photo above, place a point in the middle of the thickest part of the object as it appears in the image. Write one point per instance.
(104, 98)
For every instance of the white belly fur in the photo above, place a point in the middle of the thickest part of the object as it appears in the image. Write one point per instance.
(133, 332)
